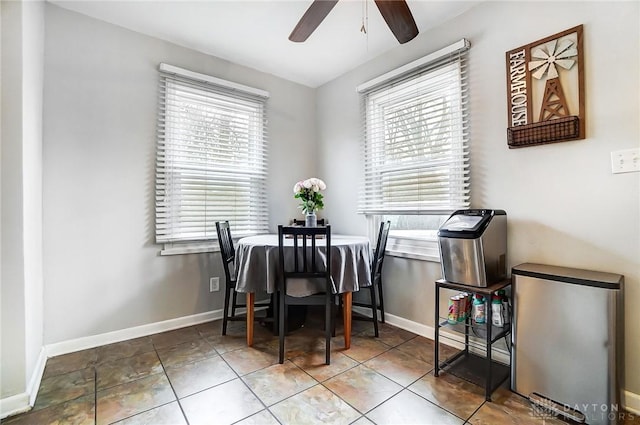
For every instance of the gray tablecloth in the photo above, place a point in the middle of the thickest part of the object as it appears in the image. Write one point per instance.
(257, 265)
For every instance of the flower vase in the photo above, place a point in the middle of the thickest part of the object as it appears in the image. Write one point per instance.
(311, 220)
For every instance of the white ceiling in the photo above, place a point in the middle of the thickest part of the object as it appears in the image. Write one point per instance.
(255, 33)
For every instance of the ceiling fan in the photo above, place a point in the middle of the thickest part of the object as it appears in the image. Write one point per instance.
(395, 12)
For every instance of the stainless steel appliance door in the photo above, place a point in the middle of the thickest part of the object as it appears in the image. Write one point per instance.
(564, 346)
(463, 261)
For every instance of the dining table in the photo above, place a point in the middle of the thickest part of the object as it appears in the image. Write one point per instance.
(257, 269)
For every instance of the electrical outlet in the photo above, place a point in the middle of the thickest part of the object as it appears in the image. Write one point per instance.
(625, 161)
(214, 284)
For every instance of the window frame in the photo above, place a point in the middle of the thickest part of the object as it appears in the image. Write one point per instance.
(212, 142)
(422, 247)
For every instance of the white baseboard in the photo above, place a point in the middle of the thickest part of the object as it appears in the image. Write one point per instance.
(23, 402)
(87, 342)
(452, 339)
(36, 377)
(631, 402)
(14, 404)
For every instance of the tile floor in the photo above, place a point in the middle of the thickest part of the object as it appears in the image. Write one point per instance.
(195, 375)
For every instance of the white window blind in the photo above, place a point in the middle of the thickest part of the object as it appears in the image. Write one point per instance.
(211, 157)
(416, 132)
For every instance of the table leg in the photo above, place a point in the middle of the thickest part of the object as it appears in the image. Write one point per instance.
(251, 296)
(346, 309)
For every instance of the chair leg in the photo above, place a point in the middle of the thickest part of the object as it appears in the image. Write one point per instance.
(374, 311)
(334, 317)
(225, 313)
(381, 300)
(281, 321)
(234, 303)
(275, 311)
(328, 326)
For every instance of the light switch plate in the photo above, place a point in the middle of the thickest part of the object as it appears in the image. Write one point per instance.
(625, 161)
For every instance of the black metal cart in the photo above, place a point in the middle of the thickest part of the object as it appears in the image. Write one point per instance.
(472, 367)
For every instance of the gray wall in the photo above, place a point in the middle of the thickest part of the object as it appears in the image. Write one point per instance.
(21, 193)
(102, 268)
(564, 206)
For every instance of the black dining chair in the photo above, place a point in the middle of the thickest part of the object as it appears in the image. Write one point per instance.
(228, 255)
(305, 263)
(301, 222)
(376, 280)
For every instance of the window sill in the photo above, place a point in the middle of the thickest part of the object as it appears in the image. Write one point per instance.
(194, 248)
(413, 256)
(413, 248)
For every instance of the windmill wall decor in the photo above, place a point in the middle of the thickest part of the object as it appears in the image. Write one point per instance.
(545, 90)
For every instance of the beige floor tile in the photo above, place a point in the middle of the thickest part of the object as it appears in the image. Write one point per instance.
(422, 348)
(175, 337)
(123, 349)
(193, 377)
(209, 328)
(459, 397)
(313, 363)
(61, 388)
(363, 388)
(364, 348)
(509, 408)
(186, 352)
(249, 359)
(628, 418)
(122, 401)
(363, 421)
(225, 404)
(277, 382)
(399, 366)
(80, 411)
(226, 343)
(314, 406)
(263, 417)
(128, 369)
(70, 362)
(168, 414)
(409, 408)
(388, 334)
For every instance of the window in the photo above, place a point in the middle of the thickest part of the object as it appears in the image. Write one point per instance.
(416, 158)
(211, 158)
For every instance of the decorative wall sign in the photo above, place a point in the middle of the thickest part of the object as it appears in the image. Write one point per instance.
(545, 90)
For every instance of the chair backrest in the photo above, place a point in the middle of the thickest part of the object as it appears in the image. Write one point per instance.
(300, 222)
(307, 262)
(378, 256)
(227, 251)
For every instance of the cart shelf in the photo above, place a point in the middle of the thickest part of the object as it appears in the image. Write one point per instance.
(480, 370)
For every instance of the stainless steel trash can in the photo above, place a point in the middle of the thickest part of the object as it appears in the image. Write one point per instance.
(567, 341)
(473, 247)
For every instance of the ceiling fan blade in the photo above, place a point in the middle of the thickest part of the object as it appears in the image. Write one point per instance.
(399, 19)
(314, 15)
